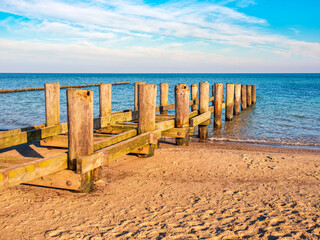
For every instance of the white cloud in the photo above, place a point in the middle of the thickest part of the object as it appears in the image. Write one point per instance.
(101, 24)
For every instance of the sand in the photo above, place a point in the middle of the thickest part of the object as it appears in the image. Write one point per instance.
(204, 191)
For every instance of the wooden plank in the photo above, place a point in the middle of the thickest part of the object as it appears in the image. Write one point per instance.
(14, 131)
(17, 160)
(193, 114)
(65, 179)
(142, 150)
(32, 170)
(115, 129)
(200, 119)
(165, 125)
(62, 140)
(90, 162)
(211, 99)
(114, 139)
(164, 117)
(211, 109)
(111, 153)
(112, 119)
(24, 137)
(125, 147)
(175, 132)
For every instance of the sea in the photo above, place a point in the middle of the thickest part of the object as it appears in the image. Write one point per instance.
(287, 112)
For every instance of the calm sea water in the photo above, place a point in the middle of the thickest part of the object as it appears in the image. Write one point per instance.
(287, 110)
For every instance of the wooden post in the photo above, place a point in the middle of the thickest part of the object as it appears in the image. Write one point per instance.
(147, 112)
(182, 95)
(218, 100)
(164, 93)
(243, 97)
(194, 96)
(80, 130)
(136, 88)
(105, 99)
(249, 101)
(254, 94)
(105, 96)
(237, 98)
(203, 107)
(229, 101)
(52, 96)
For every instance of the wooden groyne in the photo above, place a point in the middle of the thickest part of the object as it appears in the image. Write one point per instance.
(61, 87)
(91, 143)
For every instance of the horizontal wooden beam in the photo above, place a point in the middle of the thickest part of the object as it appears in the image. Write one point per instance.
(175, 133)
(165, 125)
(64, 179)
(108, 154)
(211, 99)
(193, 114)
(32, 170)
(37, 134)
(115, 129)
(114, 139)
(200, 119)
(112, 119)
(16, 160)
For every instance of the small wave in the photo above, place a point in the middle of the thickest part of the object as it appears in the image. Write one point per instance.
(262, 141)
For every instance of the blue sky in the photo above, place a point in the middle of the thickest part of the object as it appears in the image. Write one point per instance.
(159, 36)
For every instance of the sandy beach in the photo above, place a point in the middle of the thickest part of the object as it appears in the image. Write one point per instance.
(204, 191)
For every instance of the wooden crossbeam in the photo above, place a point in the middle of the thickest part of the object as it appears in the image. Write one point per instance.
(16, 160)
(64, 179)
(19, 130)
(108, 154)
(114, 139)
(112, 119)
(200, 119)
(193, 114)
(37, 134)
(115, 129)
(32, 170)
(175, 133)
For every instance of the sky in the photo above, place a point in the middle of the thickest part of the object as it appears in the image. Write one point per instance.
(159, 36)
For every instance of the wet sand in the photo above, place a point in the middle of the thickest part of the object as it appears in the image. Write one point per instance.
(204, 191)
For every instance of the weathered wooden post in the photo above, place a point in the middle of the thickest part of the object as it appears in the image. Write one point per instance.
(80, 131)
(105, 99)
(203, 107)
(249, 101)
(194, 97)
(105, 96)
(229, 101)
(254, 94)
(237, 98)
(136, 97)
(147, 112)
(182, 95)
(243, 97)
(52, 96)
(218, 100)
(164, 94)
